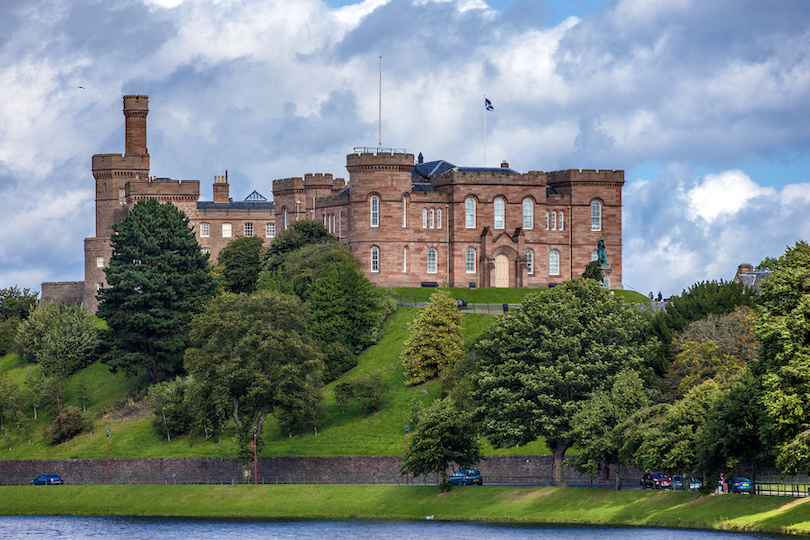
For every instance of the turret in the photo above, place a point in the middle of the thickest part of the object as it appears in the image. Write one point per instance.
(135, 110)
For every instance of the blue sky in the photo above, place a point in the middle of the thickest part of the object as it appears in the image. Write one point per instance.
(704, 105)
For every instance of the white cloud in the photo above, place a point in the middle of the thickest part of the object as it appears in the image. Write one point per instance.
(720, 196)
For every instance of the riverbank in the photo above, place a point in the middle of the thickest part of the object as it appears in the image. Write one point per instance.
(491, 503)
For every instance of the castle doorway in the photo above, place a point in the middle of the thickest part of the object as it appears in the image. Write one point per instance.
(501, 271)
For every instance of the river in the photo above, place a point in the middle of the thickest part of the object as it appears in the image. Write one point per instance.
(133, 528)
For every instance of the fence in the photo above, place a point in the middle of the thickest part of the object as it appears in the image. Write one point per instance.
(468, 307)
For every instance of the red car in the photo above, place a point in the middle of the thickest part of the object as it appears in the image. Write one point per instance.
(656, 480)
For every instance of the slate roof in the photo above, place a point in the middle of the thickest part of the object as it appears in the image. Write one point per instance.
(753, 279)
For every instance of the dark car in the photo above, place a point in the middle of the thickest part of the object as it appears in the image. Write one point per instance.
(739, 484)
(465, 477)
(48, 480)
(678, 484)
(655, 480)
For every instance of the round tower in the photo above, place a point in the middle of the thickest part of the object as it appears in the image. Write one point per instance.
(135, 110)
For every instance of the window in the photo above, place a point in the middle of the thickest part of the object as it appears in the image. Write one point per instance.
(375, 259)
(270, 230)
(375, 210)
(404, 211)
(554, 263)
(99, 262)
(431, 261)
(529, 254)
(499, 211)
(206, 250)
(594, 255)
(122, 196)
(547, 218)
(469, 213)
(285, 218)
(248, 229)
(553, 221)
(227, 230)
(439, 218)
(596, 215)
(424, 218)
(528, 214)
(404, 259)
(561, 220)
(99, 286)
(432, 218)
(205, 230)
(470, 259)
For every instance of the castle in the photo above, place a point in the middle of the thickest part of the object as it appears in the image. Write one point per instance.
(411, 223)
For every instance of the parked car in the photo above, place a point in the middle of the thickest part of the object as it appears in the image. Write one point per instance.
(677, 483)
(465, 477)
(48, 480)
(739, 484)
(655, 480)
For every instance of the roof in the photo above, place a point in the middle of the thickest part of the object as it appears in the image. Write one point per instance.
(237, 205)
(753, 279)
(255, 196)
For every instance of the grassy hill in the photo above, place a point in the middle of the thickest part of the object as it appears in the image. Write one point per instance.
(343, 433)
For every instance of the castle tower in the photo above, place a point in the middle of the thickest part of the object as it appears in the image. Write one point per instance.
(112, 172)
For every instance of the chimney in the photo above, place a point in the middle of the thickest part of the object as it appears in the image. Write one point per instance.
(504, 165)
(135, 110)
(221, 194)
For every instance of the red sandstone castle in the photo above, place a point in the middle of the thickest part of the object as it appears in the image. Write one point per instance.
(409, 222)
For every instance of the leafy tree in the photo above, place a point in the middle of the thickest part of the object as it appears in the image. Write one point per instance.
(301, 406)
(169, 407)
(297, 235)
(436, 342)
(32, 331)
(595, 424)
(15, 306)
(67, 424)
(593, 270)
(240, 263)
(367, 391)
(783, 360)
(69, 344)
(207, 407)
(54, 394)
(158, 279)
(694, 304)
(538, 366)
(247, 351)
(10, 407)
(337, 359)
(33, 388)
(441, 437)
(274, 280)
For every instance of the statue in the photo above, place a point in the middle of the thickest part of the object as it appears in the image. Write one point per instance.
(601, 252)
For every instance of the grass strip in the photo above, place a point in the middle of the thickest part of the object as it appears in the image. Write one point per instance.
(761, 513)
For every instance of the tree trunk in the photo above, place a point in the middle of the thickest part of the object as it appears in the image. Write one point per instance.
(558, 449)
(618, 476)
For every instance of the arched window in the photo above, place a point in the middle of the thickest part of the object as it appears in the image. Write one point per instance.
(528, 213)
(561, 221)
(594, 255)
(375, 259)
(547, 218)
(404, 259)
(439, 218)
(424, 218)
(431, 261)
(404, 211)
(596, 215)
(529, 254)
(469, 260)
(553, 221)
(499, 212)
(469, 212)
(374, 204)
(285, 218)
(554, 263)
(432, 218)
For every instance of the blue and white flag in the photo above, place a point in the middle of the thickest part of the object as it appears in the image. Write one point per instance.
(488, 105)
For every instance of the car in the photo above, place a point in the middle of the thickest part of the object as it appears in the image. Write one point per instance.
(655, 480)
(48, 480)
(465, 477)
(739, 484)
(677, 483)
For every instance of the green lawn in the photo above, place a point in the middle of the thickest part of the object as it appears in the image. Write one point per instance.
(493, 295)
(490, 503)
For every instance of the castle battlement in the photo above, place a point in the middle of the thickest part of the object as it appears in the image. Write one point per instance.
(377, 158)
(586, 175)
(287, 184)
(163, 187)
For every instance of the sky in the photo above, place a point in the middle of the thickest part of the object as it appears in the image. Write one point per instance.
(704, 105)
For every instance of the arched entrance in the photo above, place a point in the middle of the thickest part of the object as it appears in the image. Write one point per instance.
(501, 270)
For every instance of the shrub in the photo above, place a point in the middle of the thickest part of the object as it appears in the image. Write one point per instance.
(67, 424)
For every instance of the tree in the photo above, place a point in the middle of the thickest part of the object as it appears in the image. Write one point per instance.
(240, 263)
(367, 391)
(169, 407)
(15, 306)
(294, 237)
(67, 424)
(595, 424)
(783, 360)
(32, 331)
(538, 366)
(69, 344)
(436, 342)
(158, 278)
(593, 270)
(441, 437)
(246, 352)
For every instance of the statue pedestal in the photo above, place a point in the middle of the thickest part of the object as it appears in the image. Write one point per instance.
(606, 270)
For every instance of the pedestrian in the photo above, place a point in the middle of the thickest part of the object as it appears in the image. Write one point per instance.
(660, 296)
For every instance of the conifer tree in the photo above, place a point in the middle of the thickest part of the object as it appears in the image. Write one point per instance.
(158, 278)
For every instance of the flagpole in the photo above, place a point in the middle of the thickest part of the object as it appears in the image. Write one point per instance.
(380, 112)
(485, 130)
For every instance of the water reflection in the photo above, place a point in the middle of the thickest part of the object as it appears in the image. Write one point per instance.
(27, 527)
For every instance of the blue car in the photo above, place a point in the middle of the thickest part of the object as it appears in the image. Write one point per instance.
(465, 477)
(739, 484)
(48, 480)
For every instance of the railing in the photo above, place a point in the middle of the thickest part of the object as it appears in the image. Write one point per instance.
(378, 150)
(468, 307)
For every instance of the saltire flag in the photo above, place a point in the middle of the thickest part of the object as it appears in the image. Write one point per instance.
(488, 105)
